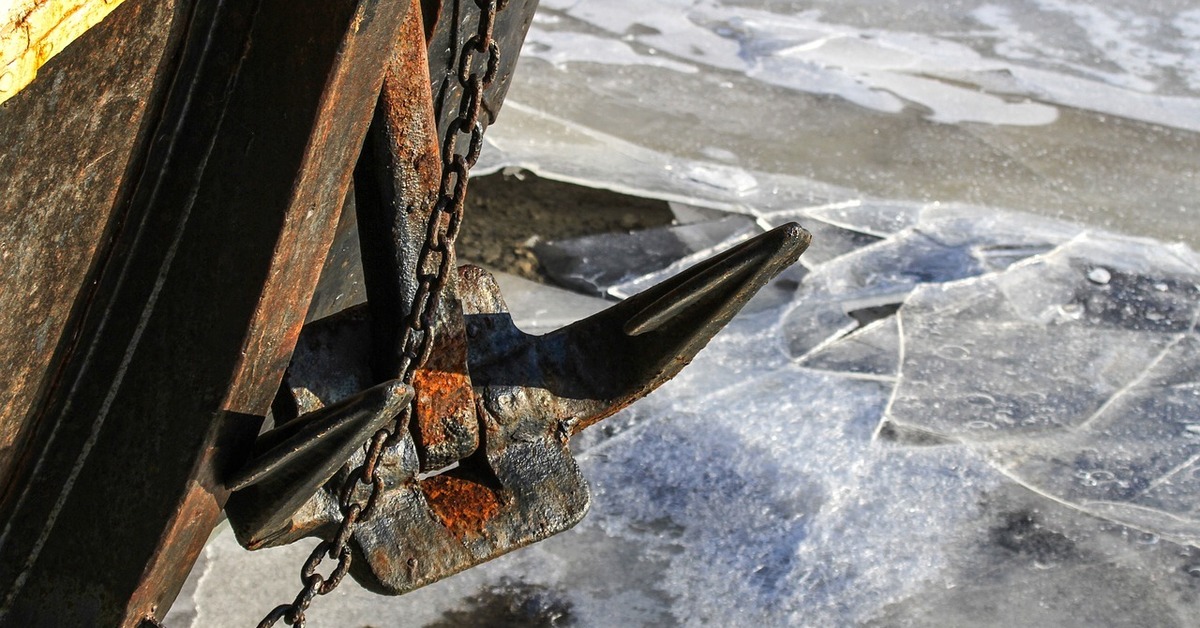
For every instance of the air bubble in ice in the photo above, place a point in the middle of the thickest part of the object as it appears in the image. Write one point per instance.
(1099, 275)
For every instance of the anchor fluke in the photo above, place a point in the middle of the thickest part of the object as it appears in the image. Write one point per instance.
(295, 459)
(594, 367)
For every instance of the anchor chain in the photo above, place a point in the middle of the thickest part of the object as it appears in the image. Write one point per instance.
(478, 65)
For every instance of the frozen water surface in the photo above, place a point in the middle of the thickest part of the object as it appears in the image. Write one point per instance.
(1081, 383)
(961, 409)
(1087, 111)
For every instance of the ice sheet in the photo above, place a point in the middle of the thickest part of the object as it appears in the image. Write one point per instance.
(947, 243)
(1125, 55)
(872, 350)
(1076, 369)
(1079, 110)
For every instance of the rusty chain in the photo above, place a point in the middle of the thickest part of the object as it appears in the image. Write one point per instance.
(434, 266)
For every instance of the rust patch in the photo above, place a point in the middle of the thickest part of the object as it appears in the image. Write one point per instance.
(444, 402)
(406, 105)
(461, 505)
(445, 428)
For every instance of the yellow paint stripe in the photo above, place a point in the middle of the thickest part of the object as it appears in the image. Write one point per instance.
(33, 31)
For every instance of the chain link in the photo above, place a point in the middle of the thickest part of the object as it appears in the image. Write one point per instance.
(434, 265)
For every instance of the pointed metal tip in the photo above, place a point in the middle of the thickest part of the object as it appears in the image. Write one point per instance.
(753, 262)
(299, 457)
(343, 425)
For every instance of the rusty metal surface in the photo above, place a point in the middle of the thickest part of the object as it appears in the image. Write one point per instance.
(531, 393)
(444, 423)
(408, 229)
(398, 179)
(196, 309)
(339, 287)
(444, 523)
(410, 209)
(69, 140)
(396, 187)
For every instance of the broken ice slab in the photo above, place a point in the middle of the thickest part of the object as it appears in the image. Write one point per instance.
(872, 350)
(1076, 370)
(814, 322)
(566, 150)
(607, 263)
(686, 214)
(948, 244)
(538, 308)
(1137, 459)
(1044, 344)
(877, 218)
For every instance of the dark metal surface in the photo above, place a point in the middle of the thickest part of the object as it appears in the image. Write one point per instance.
(444, 61)
(70, 139)
(292, 461)
(398, 201)
(196, 308)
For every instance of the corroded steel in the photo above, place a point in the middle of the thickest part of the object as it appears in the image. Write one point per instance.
(398, 180)
(483, 466)
(191, 322)
(444, 423)
(407, 272)
(64, 182)
(532, 393)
